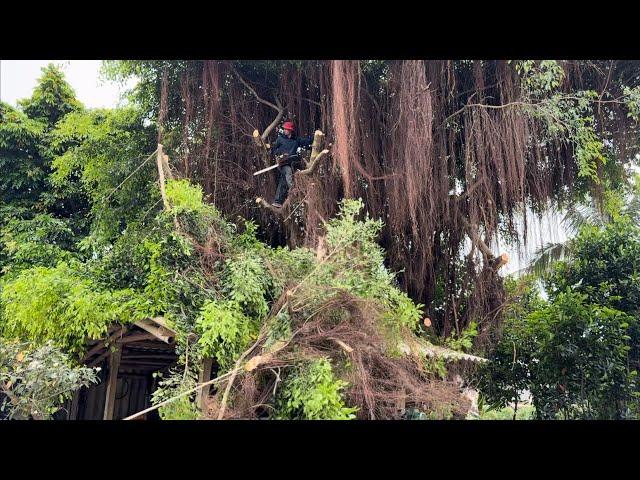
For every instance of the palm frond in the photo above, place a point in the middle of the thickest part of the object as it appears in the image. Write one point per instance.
(545, 257)
(576, 216)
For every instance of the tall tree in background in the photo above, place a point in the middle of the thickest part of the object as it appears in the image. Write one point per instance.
(447, 153)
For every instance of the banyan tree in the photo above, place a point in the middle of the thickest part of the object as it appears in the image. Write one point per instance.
(449, 154)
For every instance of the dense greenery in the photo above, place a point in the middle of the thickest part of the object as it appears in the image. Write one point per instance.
(102, 250)
(313, 393)
(85, 243)
(35, 381)
(577, 353)
(59, 204)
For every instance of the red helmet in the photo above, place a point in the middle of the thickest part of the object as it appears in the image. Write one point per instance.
(289, 126)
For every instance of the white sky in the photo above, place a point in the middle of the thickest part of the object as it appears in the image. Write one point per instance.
(19, 77)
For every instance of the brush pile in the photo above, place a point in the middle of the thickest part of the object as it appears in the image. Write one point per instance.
(318, 333)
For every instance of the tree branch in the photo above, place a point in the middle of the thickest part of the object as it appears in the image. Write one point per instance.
(262, 202)
(278, 106)
(261, 100)
(491, 260)
(316, 153)
(272, 125)
(311, 166)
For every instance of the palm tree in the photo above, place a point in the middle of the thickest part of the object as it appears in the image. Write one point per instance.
(577, 216)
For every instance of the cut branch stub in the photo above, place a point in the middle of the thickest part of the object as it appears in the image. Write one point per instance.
(263, 147)
(318, 138)
(263, 203)
(316, 153)
(500, 261)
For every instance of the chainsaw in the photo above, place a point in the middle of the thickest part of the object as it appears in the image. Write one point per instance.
(279, 157)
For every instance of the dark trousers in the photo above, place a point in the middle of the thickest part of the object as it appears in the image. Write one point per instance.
(285, 182)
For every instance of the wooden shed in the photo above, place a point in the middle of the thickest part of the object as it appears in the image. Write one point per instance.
(128, 357)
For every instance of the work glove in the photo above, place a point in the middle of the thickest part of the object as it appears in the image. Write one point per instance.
(282, 159)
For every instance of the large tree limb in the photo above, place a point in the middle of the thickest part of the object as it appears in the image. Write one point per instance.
(494, 262)
(316, 153)
(272, 125)
(277, 106)
(312, 165)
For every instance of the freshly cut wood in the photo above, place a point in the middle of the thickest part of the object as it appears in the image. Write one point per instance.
(343, 345)
(163, 193)
(262, 202)
(160, 332)
(256, 138)
(318, 139)
(501, 261)
(256, 361)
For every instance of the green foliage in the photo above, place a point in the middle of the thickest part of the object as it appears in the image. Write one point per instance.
(52, 98)
(357, 266)
(632, 99)
(312, 392)
(578, 355)
(506, 376)
(523, 297)
(540, 76)
(183, 408)
(100, 168)
(574, 358)
(524, 412)
(589, 149)
(183, 196)
(23, 169)
(59, 304)
(279, 329)
(464, 341)
(36, 381)
(246, 283)
(40, 241)
(26, 145)
(225, 331)
(436, 366)
(605, 265)
(569, 115)
(293, 265)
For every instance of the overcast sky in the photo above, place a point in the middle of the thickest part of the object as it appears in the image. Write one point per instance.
(19, 77)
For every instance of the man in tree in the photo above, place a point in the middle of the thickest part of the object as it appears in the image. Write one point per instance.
(287, 149)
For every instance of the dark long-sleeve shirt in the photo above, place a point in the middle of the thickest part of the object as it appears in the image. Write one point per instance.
(290, 146)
